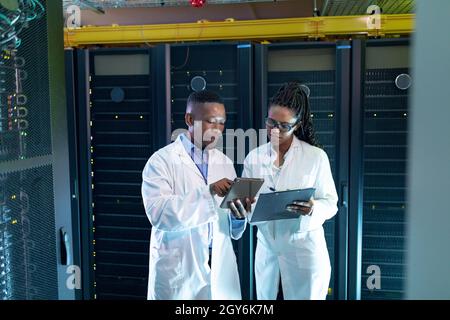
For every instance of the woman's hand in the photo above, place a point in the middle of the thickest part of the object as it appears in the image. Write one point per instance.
(305, 208)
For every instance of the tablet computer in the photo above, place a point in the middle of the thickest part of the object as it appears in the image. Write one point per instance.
(242, 188)
(272, 206)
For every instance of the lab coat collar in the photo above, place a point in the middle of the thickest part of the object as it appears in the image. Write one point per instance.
(185, 157)
(214, 157)
(188, 145)
(272, 154)
(295, 145)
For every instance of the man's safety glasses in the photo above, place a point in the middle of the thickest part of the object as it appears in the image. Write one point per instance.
(217, 120)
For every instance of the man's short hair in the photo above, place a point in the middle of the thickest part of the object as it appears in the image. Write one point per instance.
(204, 96)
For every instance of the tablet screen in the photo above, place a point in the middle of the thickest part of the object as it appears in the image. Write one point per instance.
(242, 188)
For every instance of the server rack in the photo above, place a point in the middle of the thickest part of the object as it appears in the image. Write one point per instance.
(324, 68)
(37, 257)
(384, 109)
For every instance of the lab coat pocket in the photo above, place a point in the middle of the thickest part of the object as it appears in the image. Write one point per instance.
(302, 240)
(312, 244)
(298, 237)
(168, 262)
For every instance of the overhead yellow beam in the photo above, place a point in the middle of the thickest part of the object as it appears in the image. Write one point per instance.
(267, 29)
(398, 24)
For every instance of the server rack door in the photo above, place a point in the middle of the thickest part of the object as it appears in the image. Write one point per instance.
(314, 65)
(122, 111)
(385, 112)
(225, 69)
(36, 256)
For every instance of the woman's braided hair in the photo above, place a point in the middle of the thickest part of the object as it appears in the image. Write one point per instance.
(293, 96)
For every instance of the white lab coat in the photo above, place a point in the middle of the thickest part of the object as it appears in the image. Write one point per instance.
(294, 248)
(180, 207)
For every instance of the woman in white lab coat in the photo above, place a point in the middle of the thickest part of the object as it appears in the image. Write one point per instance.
(293, 248)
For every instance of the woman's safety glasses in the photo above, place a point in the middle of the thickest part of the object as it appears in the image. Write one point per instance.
(283, 126)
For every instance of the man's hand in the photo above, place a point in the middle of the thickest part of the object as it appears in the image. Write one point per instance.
(220, 187)
(301, 207)
(239, 210)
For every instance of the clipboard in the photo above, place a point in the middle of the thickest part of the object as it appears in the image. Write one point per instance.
(242, 188)
(272, 206)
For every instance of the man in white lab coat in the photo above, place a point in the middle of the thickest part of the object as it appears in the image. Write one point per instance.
(294, 249)
(191, 253)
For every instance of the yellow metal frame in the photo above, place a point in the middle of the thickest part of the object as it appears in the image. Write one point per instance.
(258, 30)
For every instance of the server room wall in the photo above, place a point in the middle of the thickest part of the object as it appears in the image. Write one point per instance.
(120, 104)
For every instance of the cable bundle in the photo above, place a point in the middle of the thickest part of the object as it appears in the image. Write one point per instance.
(14, 17)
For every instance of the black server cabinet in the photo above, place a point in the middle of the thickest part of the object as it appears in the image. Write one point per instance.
(225, 68)
(381, 81)
(37, 259)
(324, 70)
(121, 112)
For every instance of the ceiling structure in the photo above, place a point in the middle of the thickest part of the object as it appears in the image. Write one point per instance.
(325, 7)
(115, 4)
(359, 7)
(139, 12)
